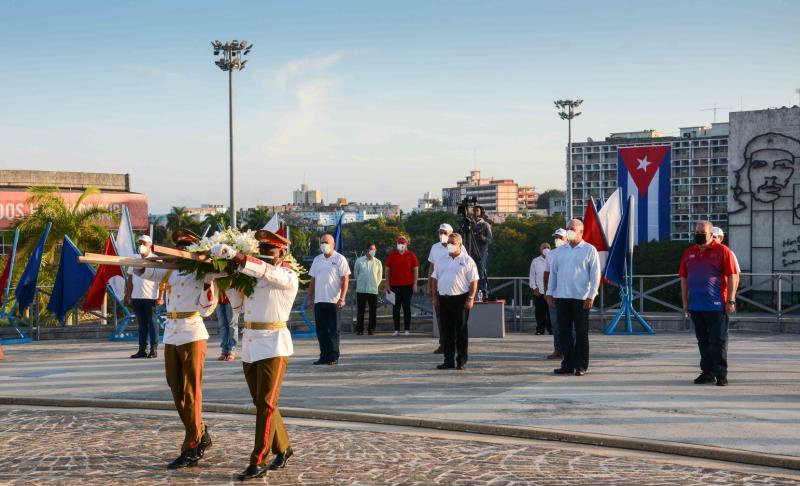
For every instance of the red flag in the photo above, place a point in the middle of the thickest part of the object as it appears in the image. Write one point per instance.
(97, 291)
(593, 233)
(4, 279)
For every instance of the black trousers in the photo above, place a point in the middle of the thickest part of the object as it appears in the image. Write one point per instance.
(326, 318)
(362, 299)
(402, 296)
(148, 326)
(572, 315)
(711, 329)
(542, 314)
(454, 319)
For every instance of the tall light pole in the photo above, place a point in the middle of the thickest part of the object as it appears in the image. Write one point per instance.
(231, 60)
(566, 110)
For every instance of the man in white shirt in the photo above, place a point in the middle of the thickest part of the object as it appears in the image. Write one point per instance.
(438, 250)
(455, 283)
(536, 283)
(266, 343)
(573, 284)
(718, 235)
(330, 277)
(188, 300)
(142, 295)
(559, 240)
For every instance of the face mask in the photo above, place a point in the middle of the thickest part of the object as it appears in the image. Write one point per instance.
(143, 250)
(700, 238)
(571, 235)
(401, 247)
(443, 239)
(371, 253)
(558, 242)
(325, 248)
(545, 251)
(451, 248)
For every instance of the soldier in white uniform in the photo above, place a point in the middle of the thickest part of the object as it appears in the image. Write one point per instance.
(188, 300)
(266, 343)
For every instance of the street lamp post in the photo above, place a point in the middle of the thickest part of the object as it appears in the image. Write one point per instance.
(566, 110)
(231, 60)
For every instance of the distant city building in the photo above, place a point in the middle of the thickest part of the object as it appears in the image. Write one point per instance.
(557, 207)
(306, 197)
(428, 202)
(499, 197)
(698, 179)
(199, 214)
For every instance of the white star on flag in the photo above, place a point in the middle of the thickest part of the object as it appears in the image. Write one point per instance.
(643, 163)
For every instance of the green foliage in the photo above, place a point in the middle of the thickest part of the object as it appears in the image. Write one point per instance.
(516, 243)
(217, 220)
(179, 217)
(301, 240)
(658, 257)
(258, 217)
(383, 232)
(544, 198)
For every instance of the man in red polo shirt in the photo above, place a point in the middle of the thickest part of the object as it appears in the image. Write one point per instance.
(709, 278)
(402, 272)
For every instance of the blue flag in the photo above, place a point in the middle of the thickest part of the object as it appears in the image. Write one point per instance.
(337, 235)
(26, 287)
(622, 246)
(72, 281)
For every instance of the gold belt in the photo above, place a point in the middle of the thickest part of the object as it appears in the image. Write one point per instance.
(182, 315)
(264, 326)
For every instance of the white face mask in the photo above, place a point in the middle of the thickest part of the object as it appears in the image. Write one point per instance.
(401, 247)
(558, 242)
(443, 239)
(451, 248)
(325, 248)
(571, 235)
(143, 250)
(545, 251)
(371, 253)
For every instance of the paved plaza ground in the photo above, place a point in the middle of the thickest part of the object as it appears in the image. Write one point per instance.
(637, 386)
(91, 446)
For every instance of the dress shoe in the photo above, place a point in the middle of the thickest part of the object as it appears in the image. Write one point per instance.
(563, 371)
(580, 372)
(461, 367)
(153, 354)
(205, 443)
(439, 350)
(281, 459)
(722, 381)
(704, 379)
(539, 333)
(320, 362)
(230, 357)
(445, 366)
(140, 354)
(221, 357)
(188, 458)
(370, 332)
(555, 355)
(332, 363)
(253, 471)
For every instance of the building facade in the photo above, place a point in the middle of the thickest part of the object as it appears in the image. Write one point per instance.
(500, 198)
(698, 178)
(305, 196)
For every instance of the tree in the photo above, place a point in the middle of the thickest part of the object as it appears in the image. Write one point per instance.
(544, 198)
(216, 221)
(301, 240)
(178, 218)
(422, 229)
(84, 224)
(258, 217)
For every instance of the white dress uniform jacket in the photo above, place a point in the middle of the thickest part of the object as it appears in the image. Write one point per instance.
(185, 293)
(271, 302)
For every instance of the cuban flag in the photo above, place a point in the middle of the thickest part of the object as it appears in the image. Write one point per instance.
(644, 173)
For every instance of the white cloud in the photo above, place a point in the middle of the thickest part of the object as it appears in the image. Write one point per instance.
(304, 66)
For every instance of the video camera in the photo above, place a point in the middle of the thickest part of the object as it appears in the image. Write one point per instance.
(466, 209)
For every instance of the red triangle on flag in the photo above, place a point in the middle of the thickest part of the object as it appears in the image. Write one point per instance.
(97, 291)
(642, 163)
(592, 231)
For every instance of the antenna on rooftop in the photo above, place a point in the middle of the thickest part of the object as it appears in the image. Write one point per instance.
(715, 108)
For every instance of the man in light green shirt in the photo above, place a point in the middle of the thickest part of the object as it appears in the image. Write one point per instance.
(368, 275)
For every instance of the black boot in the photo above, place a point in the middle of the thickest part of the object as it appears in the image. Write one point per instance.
(281, 459)
(205, 443)
(188, 458)
(253, 471)
(140, 354)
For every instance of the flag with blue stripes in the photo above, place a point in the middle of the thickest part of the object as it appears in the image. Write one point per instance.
(644, 173)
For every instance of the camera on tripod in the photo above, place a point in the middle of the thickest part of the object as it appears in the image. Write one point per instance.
(466, 209)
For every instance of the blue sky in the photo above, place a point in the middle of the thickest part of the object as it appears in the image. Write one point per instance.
(373, 101)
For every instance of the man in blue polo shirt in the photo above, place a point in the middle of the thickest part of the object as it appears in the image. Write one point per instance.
(709, 278)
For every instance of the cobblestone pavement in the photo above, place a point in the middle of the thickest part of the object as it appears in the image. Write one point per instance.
(80, 446)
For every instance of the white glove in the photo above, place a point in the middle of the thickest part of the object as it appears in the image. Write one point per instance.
(221, 250)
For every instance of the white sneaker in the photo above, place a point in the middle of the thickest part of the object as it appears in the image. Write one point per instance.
(408, 333)
(397, 333)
